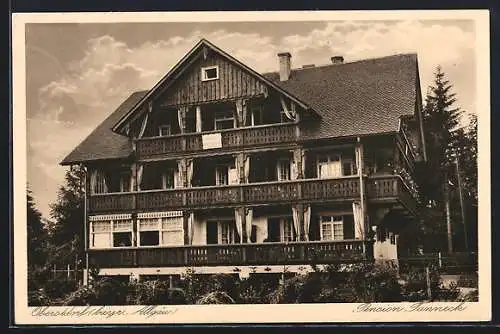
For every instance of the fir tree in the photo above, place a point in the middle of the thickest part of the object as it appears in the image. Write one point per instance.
(37, 235)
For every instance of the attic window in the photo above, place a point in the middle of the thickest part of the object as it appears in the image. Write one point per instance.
(209, 73)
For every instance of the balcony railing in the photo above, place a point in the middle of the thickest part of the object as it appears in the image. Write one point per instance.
(320, 252)
(269, 134)
(308, 190)
(391, 188)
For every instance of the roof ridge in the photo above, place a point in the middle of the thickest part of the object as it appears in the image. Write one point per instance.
(348, 63)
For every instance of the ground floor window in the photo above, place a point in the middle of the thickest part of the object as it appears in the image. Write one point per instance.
(160, 231)
(111, 233)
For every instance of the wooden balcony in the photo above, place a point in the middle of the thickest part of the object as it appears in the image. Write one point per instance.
(264, 135)
(391, 188)
(320, 252)
(307, 190)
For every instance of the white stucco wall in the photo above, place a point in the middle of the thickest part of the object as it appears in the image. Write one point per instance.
(261, 223)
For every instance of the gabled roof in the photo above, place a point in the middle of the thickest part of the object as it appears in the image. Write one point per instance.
(353, 99)
(182, 65)
(103, 143)
(358, 98)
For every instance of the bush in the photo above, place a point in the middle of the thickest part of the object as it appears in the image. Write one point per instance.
(150, 293)
(468, 280)
(38, 298)
(415, 287)
(60, 287)
(216, 297)
(373, 283)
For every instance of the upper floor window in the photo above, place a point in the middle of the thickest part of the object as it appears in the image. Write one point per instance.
(209, 73)
(224, 119)
(98, 182)
(256, 116)
(332, 228)
(221, 175)
(283, 169)
(114, 233)
(168, 179)
(164, 130)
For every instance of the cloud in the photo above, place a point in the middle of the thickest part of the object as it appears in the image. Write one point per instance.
(110, 70)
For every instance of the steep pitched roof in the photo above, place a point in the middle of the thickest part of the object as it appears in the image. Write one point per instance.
(103, 143)
(172, 75)
(358, 98)
(353, 99)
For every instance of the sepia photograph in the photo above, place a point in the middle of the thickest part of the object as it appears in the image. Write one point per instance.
(177, 168)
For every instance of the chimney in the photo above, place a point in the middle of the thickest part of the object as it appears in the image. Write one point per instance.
(337, 59)
(285, 65)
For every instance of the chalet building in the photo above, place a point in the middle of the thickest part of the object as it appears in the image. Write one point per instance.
(222, 169)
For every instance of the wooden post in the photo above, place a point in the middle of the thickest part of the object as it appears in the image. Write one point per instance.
(170, 282)
(440, 260)
(448, 213)
(359, 164)
(68, 274)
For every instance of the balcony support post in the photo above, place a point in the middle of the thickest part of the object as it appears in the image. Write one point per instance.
(241, 112)
(359, 163)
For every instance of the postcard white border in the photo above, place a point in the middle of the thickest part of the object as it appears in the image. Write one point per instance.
(480, 311)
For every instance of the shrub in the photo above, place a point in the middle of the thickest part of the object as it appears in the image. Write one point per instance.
(216, 297)
(38, 298)
(468, 280)
(373, 283)
(85, 295)
(415, 287)
(60, 287)
(153, 292)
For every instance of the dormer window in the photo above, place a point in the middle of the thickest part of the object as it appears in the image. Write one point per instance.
(209, 73)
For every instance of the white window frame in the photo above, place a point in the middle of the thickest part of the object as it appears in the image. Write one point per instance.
(331, 222)
(224, 119)
(162, 127)
(283, 163)
(226, 227)
(204, 73)
(329, 161)
(218, 175)
(111, 231)
(100, 185)
(287, 229)
(155, 227)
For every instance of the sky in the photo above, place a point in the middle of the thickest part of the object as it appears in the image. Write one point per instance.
(77, 74)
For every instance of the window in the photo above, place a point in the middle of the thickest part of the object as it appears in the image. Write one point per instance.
(160, 231)
(332, 228)
(287, 230)
(167, 179)
(256, 116)
(114, 233)
(224, 119)
(226, 232)
(348, 167)
(329, 166)
(209, 73)
(283, 169)
(221, 175)
(164, 130)
(99, 185)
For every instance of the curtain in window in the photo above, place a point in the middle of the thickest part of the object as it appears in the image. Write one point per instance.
(93, 181)
(239, 215)
(198, 119)
(247, 168)
(191, 227)
(190, 170)
(296, 219)
(307, 222)
(181, 116)
(181, 167)
(140, 171)
(238, 162)
(358, 221)
(248, 220)
(143, 125)
(290, 113)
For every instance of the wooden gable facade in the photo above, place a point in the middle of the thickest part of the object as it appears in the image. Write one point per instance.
(233, 82)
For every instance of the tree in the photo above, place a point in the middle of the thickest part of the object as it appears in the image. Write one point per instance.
(37, 235)
(67, 230)
(441, 120)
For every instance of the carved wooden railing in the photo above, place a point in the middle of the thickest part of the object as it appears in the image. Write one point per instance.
(308, 190)
(269, 134)
(391, 187)
(320, 252)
